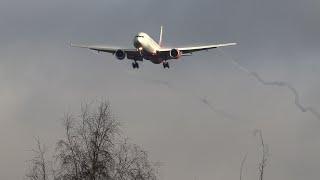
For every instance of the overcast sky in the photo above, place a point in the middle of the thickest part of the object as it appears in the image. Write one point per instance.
(163, 110)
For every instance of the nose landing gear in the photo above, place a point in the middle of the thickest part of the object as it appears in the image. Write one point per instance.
(166, 64)
(135, 65)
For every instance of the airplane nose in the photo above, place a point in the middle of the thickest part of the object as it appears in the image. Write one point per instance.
(137, 43)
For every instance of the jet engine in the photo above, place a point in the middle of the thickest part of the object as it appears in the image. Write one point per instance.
(120, 54)
(175, 53)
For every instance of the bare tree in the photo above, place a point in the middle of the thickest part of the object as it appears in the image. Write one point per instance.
(265, 154)
(92, 149)
(38, 164)
(241, 165)
(132, 163)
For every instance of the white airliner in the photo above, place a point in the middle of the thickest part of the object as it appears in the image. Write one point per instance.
(146, 48)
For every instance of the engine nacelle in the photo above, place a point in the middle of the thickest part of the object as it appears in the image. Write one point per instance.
(120, 54)
(175, 53)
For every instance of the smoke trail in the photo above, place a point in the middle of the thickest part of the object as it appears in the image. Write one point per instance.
(276, 83)
(226, 115)
(167, 84)
(203, 100)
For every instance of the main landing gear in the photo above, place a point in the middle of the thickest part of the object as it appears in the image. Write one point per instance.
(166, 64)
(135, 65)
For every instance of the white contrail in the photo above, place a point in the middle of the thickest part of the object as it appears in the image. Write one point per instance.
(275, 83)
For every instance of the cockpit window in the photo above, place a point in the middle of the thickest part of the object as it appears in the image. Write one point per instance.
(140, 36)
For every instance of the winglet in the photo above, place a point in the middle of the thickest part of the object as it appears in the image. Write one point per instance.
(78, 45)
(73, 45)
(160, 38)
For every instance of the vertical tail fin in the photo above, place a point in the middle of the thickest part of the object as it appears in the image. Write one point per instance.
(160, 38)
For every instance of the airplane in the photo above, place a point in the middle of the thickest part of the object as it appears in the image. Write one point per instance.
(145, 48)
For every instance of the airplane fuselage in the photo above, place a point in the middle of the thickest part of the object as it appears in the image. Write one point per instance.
(147, 47)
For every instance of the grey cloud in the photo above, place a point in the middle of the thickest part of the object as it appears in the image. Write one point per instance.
(177, 114)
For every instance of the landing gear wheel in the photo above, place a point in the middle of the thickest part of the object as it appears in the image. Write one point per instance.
(166, 65)
(135, 65)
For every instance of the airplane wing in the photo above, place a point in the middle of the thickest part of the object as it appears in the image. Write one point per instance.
(187, 50)
(102, 48)
(132, 54)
